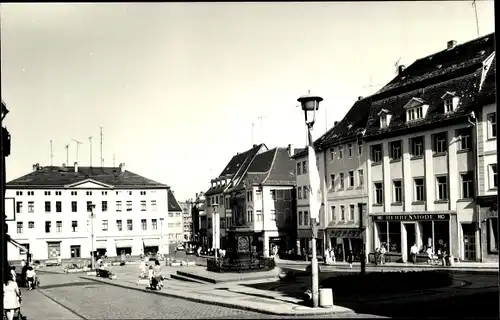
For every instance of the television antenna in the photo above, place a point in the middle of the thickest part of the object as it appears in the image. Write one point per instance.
(51, 154)
(78, 143)
(90, 140)
(477, 20)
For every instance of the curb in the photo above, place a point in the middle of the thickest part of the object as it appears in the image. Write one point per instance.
(222, 304)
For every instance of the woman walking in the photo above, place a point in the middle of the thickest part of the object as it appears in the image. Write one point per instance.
(11, 297)
(350, 258)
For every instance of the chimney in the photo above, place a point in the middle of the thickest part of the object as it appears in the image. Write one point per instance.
(451, 44)
(76, 166)
(360, 98)
(290, 150)
(35, 167)
(401, 68)
(335, 123)
(122, 167)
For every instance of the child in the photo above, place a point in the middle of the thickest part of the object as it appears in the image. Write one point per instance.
(30, 277)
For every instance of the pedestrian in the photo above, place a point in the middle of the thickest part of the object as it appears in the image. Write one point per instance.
(429, 255)
(413, 253)
(382, 254)
(327, 256)
(13, 272)
(11, 297)
(332, 256)
(30, 278)
(350, 258)
(23, 274)
(142, 267)
(157, 273)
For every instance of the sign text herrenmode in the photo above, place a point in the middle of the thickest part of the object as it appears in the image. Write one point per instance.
(413, 217)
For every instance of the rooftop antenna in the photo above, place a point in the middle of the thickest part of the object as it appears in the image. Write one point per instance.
(253, 125)
(90, 140)
(78, 143)
(477, 20)
(396, 66)
(102, 159)
(67, 154)
(113, 160)
(51, 154)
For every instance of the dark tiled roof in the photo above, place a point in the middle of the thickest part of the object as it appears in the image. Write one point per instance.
(236, 168)
(488, 90)
(63, 176)
(173, 205)
(443, 63)
(283, 169)
(262, 162)
(300, 153)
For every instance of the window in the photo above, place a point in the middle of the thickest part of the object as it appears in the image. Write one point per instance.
(154, 224)
(104, 206)
(47, 193)
(448, 105)
(47, 206)
(304, 167)
(349, 150)
(334, 214)
(19, 207)
(332, 183)
(153, 205)
(171, 214)
(74, 206)
(305, 192)
(31, 193)
(227, 203)
(493, 180)
(467, 186)
(301, 218)
(342, 213)
(306, 218)
(341, 178)
(58, 226)
(395, 147)
(143, 205)
(492, 125)
(19, 227)
(47, 226)
(58, 193)
(75, 251)
(417, 146)
(379, 193)
(129, 205)
(258, 196)
(299, 192)
(74, 226)
(298, 168)
(439, 144)
(419, 189)
(442, 188)
(58, 206)
(31, 206)
(398, 191)
(377, 153)
(351, 179)
(414, 114)
(143, 193)
(104, 225)
(464, 139)
(273, 215)
(130, 226)
(119, 225)
(104, 193)
(118, 206)
(19, 193)
(89, 206)
(360, 148)
(351, 212)
(360, 177)
(383, 121)
(31, 225)
(249, 216)
(332, 154)
(74, 193)
(341, 152)
(493, 235)
(130, 193)
(144, 224)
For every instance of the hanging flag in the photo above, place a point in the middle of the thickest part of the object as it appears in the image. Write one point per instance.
(315, 198)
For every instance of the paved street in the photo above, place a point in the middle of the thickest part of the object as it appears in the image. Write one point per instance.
(82, 299)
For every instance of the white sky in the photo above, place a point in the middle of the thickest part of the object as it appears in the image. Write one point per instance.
(176, 86)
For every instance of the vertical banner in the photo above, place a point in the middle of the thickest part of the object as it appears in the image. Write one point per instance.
(315, 198)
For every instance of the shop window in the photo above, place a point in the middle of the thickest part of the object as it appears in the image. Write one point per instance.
(426, 235)
(441, 235)
(382, 233)
(394, 237)
(493, 235)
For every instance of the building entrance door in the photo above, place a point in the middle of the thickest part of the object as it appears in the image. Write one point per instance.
(411, 238)
(54, 250)
(469, 241)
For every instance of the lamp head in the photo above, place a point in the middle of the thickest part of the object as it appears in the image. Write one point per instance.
(309, 104)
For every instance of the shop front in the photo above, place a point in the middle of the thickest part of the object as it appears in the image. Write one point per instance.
(344, 240)
(399, 232)
(304, 240)
(488, 217)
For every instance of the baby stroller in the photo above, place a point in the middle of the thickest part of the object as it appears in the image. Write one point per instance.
(154, 284)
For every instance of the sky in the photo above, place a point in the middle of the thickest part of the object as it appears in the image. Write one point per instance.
(180, 88)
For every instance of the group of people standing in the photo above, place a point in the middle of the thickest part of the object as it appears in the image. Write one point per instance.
(331, 259)
(152, 270)
(12, 293)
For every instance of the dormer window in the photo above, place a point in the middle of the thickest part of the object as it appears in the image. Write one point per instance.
(416, 109)
(450, 101)
(385, 118)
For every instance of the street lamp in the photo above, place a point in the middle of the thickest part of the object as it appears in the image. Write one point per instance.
(310, 104)
(92, 216)
(161, 236)
(215, 222)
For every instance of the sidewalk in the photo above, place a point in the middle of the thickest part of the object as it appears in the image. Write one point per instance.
(221, 295)
(35, 305)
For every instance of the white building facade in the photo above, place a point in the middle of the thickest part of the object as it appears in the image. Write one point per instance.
(54, 217)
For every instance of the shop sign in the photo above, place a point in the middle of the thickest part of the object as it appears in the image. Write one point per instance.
(346, 234)
(412, 217)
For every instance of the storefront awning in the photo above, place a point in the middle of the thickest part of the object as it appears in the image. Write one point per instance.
(347, 233)
(101, 244)
(151, 242)
(18, 245)
(123, 243)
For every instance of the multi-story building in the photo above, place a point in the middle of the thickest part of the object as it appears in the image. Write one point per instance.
(487, 186)
(199, 218)
(187, 220)
(421, 167)
(259, 199)
(65, 211)
(175, 220)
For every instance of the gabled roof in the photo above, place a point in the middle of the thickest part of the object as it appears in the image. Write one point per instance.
(66, 177)
(173, 204)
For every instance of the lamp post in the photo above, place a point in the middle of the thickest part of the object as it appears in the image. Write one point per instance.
(215, 225)
(161, 236)
(310, 104)
(92, 216)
